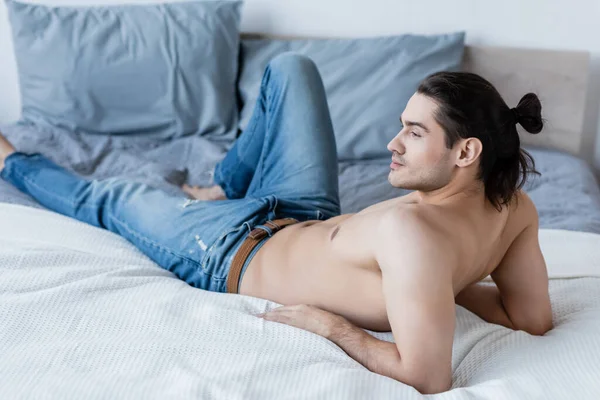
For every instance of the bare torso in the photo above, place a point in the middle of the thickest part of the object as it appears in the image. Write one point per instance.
(332, 265)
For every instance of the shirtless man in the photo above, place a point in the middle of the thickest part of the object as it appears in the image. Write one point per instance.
(398, 265)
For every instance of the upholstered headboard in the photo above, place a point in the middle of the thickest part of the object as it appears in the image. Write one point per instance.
(559, 78)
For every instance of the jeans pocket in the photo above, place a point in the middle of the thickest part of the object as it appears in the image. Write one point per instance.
(215, 261)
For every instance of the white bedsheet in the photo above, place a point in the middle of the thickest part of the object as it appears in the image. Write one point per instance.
(84, 314)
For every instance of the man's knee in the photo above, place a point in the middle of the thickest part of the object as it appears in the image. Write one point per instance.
(293, 64)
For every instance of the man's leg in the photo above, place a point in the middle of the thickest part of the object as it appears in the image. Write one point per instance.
(288, 148)
(172, 230)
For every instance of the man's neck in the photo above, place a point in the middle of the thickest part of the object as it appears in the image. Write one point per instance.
(471, 194)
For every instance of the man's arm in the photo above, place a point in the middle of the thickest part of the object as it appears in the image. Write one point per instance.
(378, 356)
(521, 300)
(486, 302)
(416, 265)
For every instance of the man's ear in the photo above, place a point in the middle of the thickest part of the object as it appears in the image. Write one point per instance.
(468, 152)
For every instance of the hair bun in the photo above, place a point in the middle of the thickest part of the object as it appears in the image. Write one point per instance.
(528, 113)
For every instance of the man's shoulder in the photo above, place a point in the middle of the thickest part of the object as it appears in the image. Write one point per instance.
(408, 217)
(418, 220)
(523, 210)
(522, 228)
(410, 232)
(522, 200)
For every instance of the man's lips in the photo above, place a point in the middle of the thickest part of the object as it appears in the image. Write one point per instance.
(395, 164)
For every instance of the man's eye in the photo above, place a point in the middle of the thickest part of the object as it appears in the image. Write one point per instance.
(415, 134)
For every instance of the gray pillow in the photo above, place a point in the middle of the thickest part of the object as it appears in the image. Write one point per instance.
(368, 81)
(167, 70)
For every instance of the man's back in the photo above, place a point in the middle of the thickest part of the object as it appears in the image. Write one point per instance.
(333, 264)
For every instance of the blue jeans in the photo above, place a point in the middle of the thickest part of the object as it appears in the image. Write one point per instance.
(283, 165)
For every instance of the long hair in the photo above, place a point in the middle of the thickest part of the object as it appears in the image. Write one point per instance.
(470, 106)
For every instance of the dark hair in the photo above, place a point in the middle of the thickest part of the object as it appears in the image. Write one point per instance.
(470, 106)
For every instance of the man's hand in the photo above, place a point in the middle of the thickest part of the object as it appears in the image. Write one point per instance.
(309, 318)
(376, 355)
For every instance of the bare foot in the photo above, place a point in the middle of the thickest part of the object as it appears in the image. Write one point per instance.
(6, 149)
(208, 193)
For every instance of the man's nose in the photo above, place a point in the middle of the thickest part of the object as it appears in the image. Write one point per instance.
(396, 145)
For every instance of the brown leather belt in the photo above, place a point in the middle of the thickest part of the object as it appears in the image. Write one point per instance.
(254, 237)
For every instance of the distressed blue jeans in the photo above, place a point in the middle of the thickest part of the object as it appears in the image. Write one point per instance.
(284, 164)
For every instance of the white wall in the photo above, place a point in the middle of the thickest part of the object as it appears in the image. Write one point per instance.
(550, 24)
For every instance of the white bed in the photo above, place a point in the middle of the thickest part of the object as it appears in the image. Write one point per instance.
(86, 315)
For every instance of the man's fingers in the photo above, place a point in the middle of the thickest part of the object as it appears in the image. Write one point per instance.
(277, 317)
(273, 313)
(283, 310)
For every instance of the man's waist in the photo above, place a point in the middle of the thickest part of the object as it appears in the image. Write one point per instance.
(269, 228)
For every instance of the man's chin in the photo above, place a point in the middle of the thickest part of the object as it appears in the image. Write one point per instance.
(399, 184)
(403, 186)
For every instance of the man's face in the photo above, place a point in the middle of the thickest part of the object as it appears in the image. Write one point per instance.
(420, 158)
